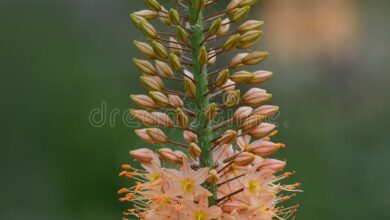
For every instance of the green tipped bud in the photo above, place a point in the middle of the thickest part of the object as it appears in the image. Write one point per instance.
(153, 4)
(167, 155)
(229, 137)
(252, 122)
(143, 116)
(181, 118)
(241, 14)
(231, 42)
(250, 25)
(157, 135)
(159, 50)
(212, 111)
(254, 57)
(147, 14)
(175, 62)
(174, 16)
(174, 46)
(222, 77)
(153, 83)
(144, 101)
(244, 3)
(145, 66)
(145, 49)
(203, 56)
(159, 98)
(163, 69)
(194, 150)
(181, 34)
(189, 87)
(199, 4)
(232, 98)
(242, 76)
(148, 30)
(232, 7)
(248, 39)
(215, 26)
(164, 16)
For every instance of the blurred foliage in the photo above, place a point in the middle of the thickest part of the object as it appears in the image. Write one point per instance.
(62, 59)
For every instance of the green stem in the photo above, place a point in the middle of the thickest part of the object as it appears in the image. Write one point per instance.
(200, 74)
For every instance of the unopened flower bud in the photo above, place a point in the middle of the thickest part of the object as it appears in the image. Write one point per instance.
(144, 155)
(242, 76)
(240, 14)
(145, 49)
(174, 46)
(194, 150)
(137, 20)
(141, 133)
(175, 62)
(264, 148)
(266, 110)
(199, 4)
(244, 3)
(181, 34)
(272, 164)
(252, 122)
(248, 39)
(189, 136)
(212, 111)
(232, 98)
(157, 135)
(143, 116)
(237, 60)
(256, 96)
(213, 176)
(148, 30)
(213, 58)
(147, 14)
(254, 57)
(232, 7)
(153, 4)
(163, 69)
(222, 78)
(261, 130)
(189, 87)
(175, 101)
(203, 56)
(244, 159)
(181, 118)
(229, 207)
(228, 137)
(260, 76)
(225, 27)
(181, 156)
(229, 86)
(250, 25)
(162, 119)
(145, 66)
(174, 16)
(143, 101)
(159, 98)
(231, 42)
(159, 50)
(167, 155)
(153, 83)
(215, 26)
(242, 112)
(164, 17)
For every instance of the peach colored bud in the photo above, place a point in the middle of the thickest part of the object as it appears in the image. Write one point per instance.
(143, 116)
(231, 206)
(237, 60)
(232, 7)
(123, 191)
(264, 148)
(266, 110)
(180, 155)
(141, 133)
(157, 135)
(229, 86)
(153, 4)
(194, 150)
(232, 98)
(231, 42)
(162, 119)
(175, 101)
(244, 159)
(222, 78)
(189, 87)
(143, 101)
(242, 112)
(163, 16)
(188, 74)
(213, 176)
(225, 27)
(168, 155)
(262, 130)
(240, 14)
(250, 25)
(163, 69)
(159, 98)
(181, 118)
(242, 76)
(143, 154)
(254, 57)
(260, 76)
(252, 122)
(159, 50)
(213, 58)
(174, 46)
(175, 62)
(256, 96)
(145, 66)
(145, 49)
(272, 164)
(153, 83)
(189, 136)
(228, 137)
(147, 14)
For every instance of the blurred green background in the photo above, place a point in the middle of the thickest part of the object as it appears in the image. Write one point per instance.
(60, 60)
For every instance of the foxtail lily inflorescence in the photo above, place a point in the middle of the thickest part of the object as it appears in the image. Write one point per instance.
(221, 168)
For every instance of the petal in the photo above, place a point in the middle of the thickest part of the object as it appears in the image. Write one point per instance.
(200, 175)
(214, 212)
(171, 175)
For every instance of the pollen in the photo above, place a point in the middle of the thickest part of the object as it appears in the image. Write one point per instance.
(187, 185)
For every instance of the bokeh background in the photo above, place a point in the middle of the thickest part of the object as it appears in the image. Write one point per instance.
(62, 60)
